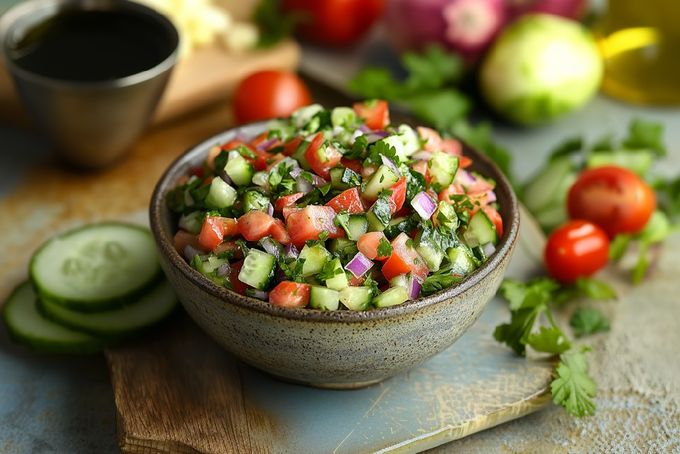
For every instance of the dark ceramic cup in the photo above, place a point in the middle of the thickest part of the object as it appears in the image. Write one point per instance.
(92, 123)
(339, 349)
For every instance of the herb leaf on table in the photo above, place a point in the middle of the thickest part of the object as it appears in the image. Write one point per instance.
(573, 388)
(587, 321)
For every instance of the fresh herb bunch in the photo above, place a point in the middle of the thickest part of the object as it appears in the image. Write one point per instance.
(430, 92)
(532, 324)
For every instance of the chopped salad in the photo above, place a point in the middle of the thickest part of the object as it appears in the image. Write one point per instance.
(336, 209)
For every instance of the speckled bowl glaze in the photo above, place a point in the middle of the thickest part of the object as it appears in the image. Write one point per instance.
(339, 349)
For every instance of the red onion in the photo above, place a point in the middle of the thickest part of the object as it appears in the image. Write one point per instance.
(488, 249)
(266, 145)
(414, 288)
(317, 180)
(224, 269)
(465, 178)
(291, 251)
(424, 205)
(261, 179)
(270, 209)
(270, 246)
(190, 251)
(490, 196)
(259, 294)
(374, 136)
(359, 265)
(365, 129)
(303, 185)
(422, 155)
(296, 172)
(389, 163)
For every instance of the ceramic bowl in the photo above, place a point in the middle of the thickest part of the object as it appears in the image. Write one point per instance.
(339, 349)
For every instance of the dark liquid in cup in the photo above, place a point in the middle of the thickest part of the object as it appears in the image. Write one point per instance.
(91, 46)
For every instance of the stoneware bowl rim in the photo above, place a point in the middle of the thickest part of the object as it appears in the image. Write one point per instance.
(165, 245)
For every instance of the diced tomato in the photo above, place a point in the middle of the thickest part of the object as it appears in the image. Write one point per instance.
(322, 159)
(286, 201)
(260, 161)
(353, 164)
(214, 229)
(231, 247)
(452, 146)
(496, 218)
(273, 159)
(212, 154)
(368, 245)
(288, 210)
(309, 222)
(236, 284)
(183, 239)
(349, 200)
(290, 294)
(279, 233)
(398, 196)
(260, 139)
(464, 162)
(375, 113)
(447, 192)
(404, 259)
(421, 168)
(292, 145)
(432, 138)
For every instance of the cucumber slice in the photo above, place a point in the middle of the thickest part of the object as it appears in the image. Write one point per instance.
(357, 226)
(192, 222)
(254, 200)
(480, 230)
(401, 280)
(315, 258)
(431, 254)
(550, 186)
(258, 269)
(638, 161)
(443, 168)
(339, 281)
(393, 296)
(299, 154)
(343, 117)
(95, 267)
(383, 178)
(462, 260)
(149, 309)
(324, 298)
(238, 169)
(26, 325)
(221, 195)
(356, 298)
(379, 215)
(342, 178)
(343, 247)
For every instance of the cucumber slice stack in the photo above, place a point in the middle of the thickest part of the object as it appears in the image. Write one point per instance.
(89, 288)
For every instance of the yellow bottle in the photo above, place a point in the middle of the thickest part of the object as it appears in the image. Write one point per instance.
(640, 44)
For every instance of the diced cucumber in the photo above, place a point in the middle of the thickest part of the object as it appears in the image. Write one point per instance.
(397, 226)
(95, 267)
(192, 222)
(480, 230)
(343, 247)
(258, 269)
(405, 143)
(446, 216)
(402, 280)
(357, 226)
(551, 216)
(339, 281)
(324, 298)
(238, 169)
(221, 195)
(550, 186)
(315, 258)
(442, 168)
(382, 179)
(341, 178)
(343, 117)
(431, 254)
(393, 296)
(299, 154)
(272, 246)
(462, 260)
(639, 161)
(379, 215)
(255, 200)
(207, 264)
(302, 116)
(149, 309)
(26, 324)
(356, 298)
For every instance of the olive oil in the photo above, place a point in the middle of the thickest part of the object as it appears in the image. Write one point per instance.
(91, 46)
(640, 44)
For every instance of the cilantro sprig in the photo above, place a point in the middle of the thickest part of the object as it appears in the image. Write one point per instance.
(532, 324)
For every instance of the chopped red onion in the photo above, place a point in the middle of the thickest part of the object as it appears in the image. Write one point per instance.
(374, 136)
(413, 288)
(424, 205)
(270, 246)
(190, 251)
(296, 172)
(303, 185)
(422, 155)
(264, 146)
(465, 178)
(270, 209)
(317, 180)
(359, 265)
(291, 251)
(241, 137)
(364, 129)
(224, 269)
(389, 163)
(261, 179)
(490, 196)
(259, 294)
(488, 249)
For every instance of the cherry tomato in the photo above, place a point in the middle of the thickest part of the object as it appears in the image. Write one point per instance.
(612, 197)
(269, 94)
(335, 23)
(290, 294)
(349, 200)
(576, 249)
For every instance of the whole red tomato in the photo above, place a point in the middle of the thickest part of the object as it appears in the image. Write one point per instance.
(576, 249)
(612, 197)
(269, 94)
(335, 23)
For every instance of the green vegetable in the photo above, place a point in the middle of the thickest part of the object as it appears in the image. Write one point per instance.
(541, 67)
(573, 388)
(587, 321)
